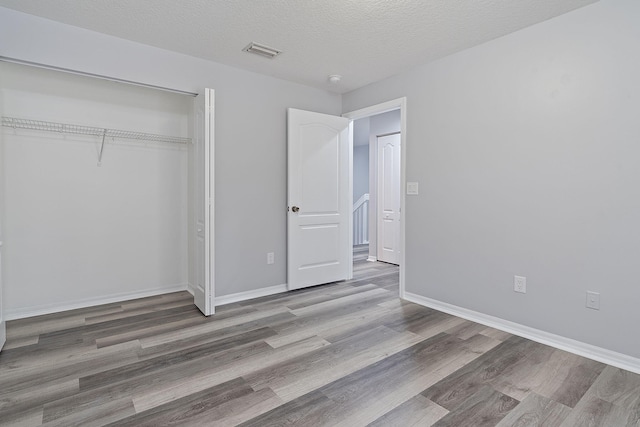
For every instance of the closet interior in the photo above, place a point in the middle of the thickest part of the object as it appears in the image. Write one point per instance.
(96, 190)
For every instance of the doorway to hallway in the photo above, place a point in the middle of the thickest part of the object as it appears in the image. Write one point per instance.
(370, 124)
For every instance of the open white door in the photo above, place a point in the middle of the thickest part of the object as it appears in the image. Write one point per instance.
(203, 291)
(319, 191)
(389, 198)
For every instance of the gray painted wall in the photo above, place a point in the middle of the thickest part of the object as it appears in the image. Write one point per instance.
(526, 151)
(360, 158)
(360, 171)
(250, 112)
(361, 132)
(382, 124)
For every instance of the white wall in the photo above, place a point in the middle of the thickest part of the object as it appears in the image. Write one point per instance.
(526, 151)
(250, 205)
(76, 233)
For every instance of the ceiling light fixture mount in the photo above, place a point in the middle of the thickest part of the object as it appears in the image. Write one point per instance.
(334, 79)
(262, 50)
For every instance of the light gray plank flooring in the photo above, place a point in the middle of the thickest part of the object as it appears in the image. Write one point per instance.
(342, 354)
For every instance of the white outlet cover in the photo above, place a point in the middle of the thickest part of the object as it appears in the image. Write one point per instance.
(520, 284)
(593, 300)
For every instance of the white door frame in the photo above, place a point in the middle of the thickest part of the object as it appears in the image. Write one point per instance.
(399, 103)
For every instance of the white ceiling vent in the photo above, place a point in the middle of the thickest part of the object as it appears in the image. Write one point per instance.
(262, 50)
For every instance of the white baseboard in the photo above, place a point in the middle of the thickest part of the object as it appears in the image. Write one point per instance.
(589, 351)
(190, 289)
(243, 296)
(22, 313)
(372, 259)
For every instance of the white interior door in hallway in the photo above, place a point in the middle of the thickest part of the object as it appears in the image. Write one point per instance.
(320, 198)
(203, 291)
(389, 198)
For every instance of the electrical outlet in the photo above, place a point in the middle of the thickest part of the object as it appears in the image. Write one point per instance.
(520, 284)
(270, 258)
(593, 300)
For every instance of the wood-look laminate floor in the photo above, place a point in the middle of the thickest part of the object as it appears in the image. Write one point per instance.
(348, 354)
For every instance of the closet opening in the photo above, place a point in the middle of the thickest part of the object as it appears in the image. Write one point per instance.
(92, 215)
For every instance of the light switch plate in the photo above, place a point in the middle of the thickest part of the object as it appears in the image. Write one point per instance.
(412, 188)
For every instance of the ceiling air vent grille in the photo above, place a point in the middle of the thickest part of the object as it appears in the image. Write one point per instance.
(262, 50)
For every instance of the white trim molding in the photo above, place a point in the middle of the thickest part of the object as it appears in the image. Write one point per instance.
(589, 351)
(190, 289)
(247, 295)
(371, 258)
(22, 313)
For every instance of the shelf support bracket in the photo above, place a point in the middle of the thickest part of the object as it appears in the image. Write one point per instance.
(104, 135)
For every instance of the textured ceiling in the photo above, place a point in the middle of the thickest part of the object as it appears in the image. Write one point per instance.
(362, 40)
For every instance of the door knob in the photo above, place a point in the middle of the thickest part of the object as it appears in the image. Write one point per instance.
(295, 208)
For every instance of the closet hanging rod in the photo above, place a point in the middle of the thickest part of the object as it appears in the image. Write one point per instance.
(98, 76)
(16, 123)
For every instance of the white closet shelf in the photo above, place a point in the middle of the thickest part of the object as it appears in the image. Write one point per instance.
(16, 123)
